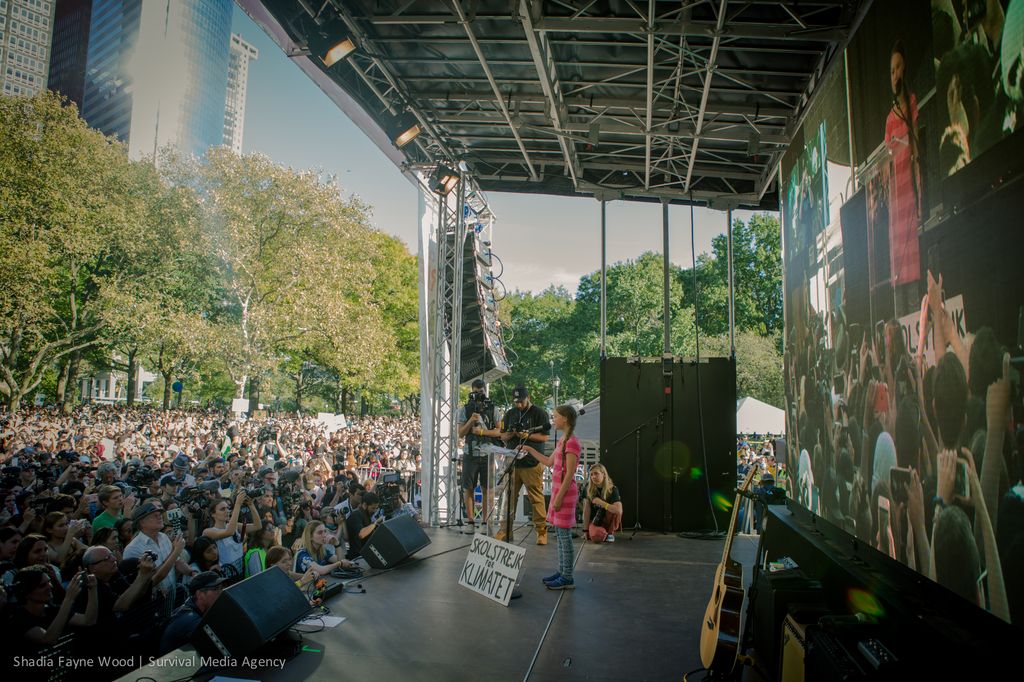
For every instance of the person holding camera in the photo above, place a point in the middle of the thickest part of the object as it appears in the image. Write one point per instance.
(477, 426)
(225, 533)
(149, 522)
(62, 537)
(360, 524)
(35, 620)
(525, 422)
(115, 594)
(179, 467)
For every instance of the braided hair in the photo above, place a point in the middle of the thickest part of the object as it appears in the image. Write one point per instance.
(569, 412)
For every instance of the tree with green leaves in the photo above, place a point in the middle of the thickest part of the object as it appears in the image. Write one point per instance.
(295, 261)
(71, 217)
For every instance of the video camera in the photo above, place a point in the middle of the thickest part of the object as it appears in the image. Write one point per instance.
(267, 434)
(480, 404)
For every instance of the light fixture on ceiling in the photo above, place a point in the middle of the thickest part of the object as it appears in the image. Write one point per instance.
(445, 179)
(331, 44)
(403, 129)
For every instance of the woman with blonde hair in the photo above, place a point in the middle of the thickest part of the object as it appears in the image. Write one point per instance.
(602, 506)
(317, 551)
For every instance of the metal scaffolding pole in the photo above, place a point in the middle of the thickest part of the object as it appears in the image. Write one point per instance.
(666, 345)
(604, 276)
(732, 302)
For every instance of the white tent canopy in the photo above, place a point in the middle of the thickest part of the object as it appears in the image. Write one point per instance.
(588, 426)
(754, 416)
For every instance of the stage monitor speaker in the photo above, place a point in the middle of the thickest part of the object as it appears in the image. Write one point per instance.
(394, 542)
(249, 614)
(779, 448)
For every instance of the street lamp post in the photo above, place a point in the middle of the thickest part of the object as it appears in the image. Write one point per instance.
(557, 383)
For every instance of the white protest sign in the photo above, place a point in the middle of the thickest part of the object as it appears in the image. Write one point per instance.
(239, 405)
(108, 448)
(332, 421)
(910, 326)
(492, 568)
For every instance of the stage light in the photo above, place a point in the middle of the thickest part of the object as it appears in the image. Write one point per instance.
(445, 180)
(403, 129)
(338, 51)
(332, 44)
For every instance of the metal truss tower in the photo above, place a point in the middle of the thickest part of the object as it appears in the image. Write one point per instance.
(443, 503)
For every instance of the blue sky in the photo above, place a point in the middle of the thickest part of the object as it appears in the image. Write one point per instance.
(542, 240)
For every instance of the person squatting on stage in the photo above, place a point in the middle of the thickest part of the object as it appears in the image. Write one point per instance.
(602, 506)
(477, 426)
(564, 493)
(527, 423)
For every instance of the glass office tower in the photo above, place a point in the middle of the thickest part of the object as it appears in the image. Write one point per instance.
(157, 73)
(238, 80)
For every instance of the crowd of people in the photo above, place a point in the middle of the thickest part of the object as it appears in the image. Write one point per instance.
(757, 450)
(916, 453)
(120, 526)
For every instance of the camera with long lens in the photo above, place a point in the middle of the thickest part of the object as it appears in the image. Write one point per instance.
(193, 498)
(267, 434)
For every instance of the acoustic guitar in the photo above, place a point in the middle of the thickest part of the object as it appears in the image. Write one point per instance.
(720, 631)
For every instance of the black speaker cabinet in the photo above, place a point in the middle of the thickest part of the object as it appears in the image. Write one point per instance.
(249, 614)
(670, 450)
(395, 541)
(781, 454)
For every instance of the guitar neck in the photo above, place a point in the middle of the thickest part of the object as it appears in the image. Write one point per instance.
(730, 533)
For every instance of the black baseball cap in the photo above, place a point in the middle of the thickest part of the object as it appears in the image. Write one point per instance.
(520, 392)
(205, 581)
(479, 383)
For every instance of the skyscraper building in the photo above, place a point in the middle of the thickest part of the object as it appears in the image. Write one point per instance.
(70, 44)
(238, 78)
(25, 30)
(156, 73)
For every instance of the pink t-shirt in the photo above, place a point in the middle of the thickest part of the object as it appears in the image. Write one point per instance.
(565, 517)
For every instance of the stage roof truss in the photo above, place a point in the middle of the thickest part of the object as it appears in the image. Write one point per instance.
(632, 99)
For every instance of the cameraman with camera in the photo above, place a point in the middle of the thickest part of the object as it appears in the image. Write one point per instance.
(478, 426)
(269, 439)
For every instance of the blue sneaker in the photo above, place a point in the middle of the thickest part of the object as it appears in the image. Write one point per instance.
(561, 584)
(553, 576)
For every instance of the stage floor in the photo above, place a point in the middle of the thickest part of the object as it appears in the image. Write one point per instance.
(634, 615)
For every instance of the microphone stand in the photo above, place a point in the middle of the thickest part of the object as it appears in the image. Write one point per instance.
(509, 478)
(636, 459)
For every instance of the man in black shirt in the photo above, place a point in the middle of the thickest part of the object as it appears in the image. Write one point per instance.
(359, 525)
(527, 423)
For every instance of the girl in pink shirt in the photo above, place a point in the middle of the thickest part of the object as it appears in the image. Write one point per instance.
(564, 493)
